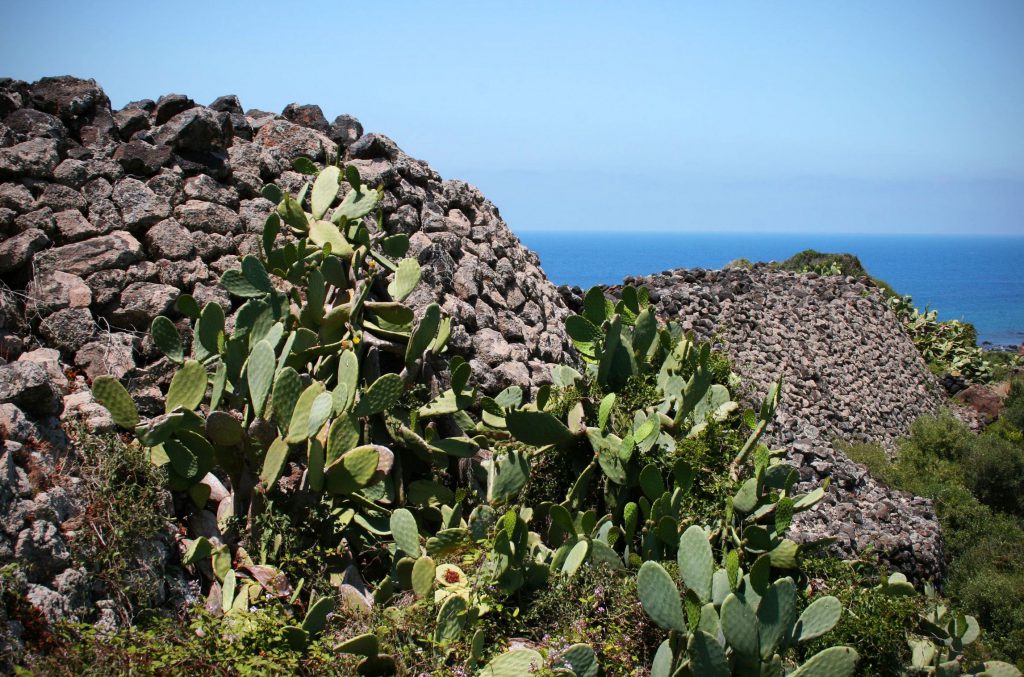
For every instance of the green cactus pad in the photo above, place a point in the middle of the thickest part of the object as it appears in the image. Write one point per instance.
(187, 387)
(358, 202)
(298, 426)
(423, 572)
(481, 520)
(515, 663)
(316, 618)
(381, 395)
(506, 476)
(428, 493)
(235, 282)
(348, 376)
(817, 619)
(575, 558)
(406, 278)
(361, 645)
(446, 541)
(109, 392)
(696, 562)
(650, 481)
(166, 338)
(182, 459)
(352, 471)
(707, 657)
(662, 664)
(319, 412)
(344, 435)
(315, 465)
(739, 625)
(776, 615)
(209, 332)
(259, 373)
(660, 597)
(256, 274)
(287, 388)
(837, 661)
(582, 660)
(451, 618)
(405, 531)
(223, 429)
(325, 190)
(273, 463)
(536, 428)
(322, 233)
(198, 550)
(424, 333)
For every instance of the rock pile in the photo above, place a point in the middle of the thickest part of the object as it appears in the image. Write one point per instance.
(106, 217)
(850, 373)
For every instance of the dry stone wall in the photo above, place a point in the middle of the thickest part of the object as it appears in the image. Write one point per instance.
(849, 372)
(106, 217)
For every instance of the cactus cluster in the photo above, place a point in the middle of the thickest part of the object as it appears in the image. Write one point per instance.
(319, 392)
(731, 622)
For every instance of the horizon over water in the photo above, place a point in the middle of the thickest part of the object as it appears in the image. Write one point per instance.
(975, 278)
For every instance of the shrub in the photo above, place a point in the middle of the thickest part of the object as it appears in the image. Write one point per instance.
(874, 622)
(994, 471)
(1013, 407)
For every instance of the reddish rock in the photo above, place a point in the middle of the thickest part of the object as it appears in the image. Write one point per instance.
(981, 399)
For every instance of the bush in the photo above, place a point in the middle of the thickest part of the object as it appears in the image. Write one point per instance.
(873, 621)
(995, 473)
(943, 460)
(1013, 407)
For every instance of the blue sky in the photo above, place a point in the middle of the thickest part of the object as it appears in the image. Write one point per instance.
(815, 116)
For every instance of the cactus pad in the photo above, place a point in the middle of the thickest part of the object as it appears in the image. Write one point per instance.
(696, 563)
(660, 597)
(165, 336)
(406, 278)
(513, 663)
(381, 395)
(109, 392)
(259, 372)
(187, 387)
(405, 531)
(423, 576)
(325, 190)
(837, 661)
(536, 428)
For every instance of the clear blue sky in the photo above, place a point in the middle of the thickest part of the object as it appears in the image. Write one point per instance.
(824, 116)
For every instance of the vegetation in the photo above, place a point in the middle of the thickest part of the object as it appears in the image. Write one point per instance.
(811, 261)
(949, 347)
(976, 482)
(626, 520)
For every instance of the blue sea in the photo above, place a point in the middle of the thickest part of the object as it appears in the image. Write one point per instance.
(977, 279)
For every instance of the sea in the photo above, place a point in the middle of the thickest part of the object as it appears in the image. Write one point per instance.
(977, 279)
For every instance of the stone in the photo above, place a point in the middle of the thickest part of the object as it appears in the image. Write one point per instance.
(169, 240)
(17, 197)
(228, 103)
(208, 217)
(27, 386)
(71, 173)
(981, 399)
(196, 130)
(81, 406)
(170, 105)
(61, 198)
(206, 189)
(141, 302)
(309, 116)
(72, 226)
(29, 123)
(67, 97)
(116, 250)
(48, 359)
(290, 141)
(17, 251)
(345, 130)
(141, 158)
(129, 121)
(39, 219)
(68, 329)
(55, 290)
(139, 205)
(111, 356)
(36, 158)
(52, 605)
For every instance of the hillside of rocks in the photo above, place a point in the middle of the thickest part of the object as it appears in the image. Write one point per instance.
(849, 373)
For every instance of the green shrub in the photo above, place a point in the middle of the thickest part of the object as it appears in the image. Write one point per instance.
(126, 508)
(873, 621)
(943, 437)
(995, 473)
(1013, 407)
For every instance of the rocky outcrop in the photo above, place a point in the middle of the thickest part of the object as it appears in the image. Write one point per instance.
(107, 216)
(849, 372)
